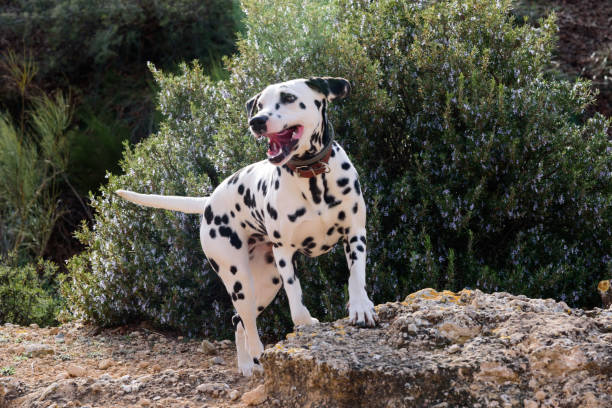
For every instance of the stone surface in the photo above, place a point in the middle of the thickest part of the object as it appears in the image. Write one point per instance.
(38, 350)
(208, 348)
(76, 370)
(255, 397)
(450, 350)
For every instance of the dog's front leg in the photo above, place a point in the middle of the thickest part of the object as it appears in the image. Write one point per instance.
(361, 308)
(299, 313)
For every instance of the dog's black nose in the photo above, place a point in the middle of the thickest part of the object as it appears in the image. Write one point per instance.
(258, 123)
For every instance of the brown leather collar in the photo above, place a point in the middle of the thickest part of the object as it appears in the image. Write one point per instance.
(317, 164)
(313, 169)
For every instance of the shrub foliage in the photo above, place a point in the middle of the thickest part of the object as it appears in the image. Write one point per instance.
(25, 292)
(478, 167)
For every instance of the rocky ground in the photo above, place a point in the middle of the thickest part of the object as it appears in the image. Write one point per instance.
(434, 349)
(72, 366)
(441, 349)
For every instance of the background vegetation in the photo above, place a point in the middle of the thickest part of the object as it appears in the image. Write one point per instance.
(478, 165)
(74, 87)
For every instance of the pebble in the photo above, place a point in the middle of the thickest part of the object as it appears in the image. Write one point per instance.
(19, 349)
(453, 349)
(218, 360)
(156, 368)
(76, 370)
(234, 395)
(255, 396)
(144, 402)
(208, 348)
(38, 350)
(212, 388)
(105, 377)
(104, 364)
(34, 326)
(59, 338)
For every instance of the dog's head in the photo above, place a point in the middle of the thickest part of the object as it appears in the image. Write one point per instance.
(292, 115)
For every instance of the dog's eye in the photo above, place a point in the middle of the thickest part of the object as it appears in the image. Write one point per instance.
(287, 98)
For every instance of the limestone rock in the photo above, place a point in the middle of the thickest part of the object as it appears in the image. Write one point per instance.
(76, 370)
(38, 350)
(208, 348)
(255, 396)
(104, 364)
(449, 349)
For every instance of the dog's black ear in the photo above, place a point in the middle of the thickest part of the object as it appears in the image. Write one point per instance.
(332, 88)
(251, 105)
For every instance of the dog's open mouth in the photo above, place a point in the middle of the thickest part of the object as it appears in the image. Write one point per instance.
(282, 143)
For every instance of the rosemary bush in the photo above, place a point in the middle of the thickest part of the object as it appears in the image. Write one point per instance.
(478, 168)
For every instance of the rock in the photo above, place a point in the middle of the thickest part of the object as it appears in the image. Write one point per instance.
(134, 386)
(53, 331)
(256, 396)
(218, 360)
(76, 370)
(449, 349)
(211, 388)
(38, 350)
(226, 343)
(234, 395)
(156, 368)
(34, 326)
(18, 349)
(453, 349)
(105, 364)
(144, 402)
(59, 338)
(208, 348)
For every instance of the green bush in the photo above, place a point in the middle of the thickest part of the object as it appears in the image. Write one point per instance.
(478, 168)
(26, 293)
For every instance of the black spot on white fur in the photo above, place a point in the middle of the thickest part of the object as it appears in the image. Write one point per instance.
(298, 213)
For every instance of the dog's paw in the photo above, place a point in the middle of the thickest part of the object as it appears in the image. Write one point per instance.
(303, 318)
(361, 313)
(248, 368)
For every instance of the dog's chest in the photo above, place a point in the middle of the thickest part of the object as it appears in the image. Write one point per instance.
(313, 214)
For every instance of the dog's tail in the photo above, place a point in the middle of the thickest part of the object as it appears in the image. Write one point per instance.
(189, 205)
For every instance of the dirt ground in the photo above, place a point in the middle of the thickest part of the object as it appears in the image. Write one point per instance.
(72, 366)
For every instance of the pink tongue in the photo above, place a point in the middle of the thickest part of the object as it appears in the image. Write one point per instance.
(277, 140)
(282, 137)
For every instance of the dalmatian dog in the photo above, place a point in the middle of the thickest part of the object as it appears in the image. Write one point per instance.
(303, 199)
